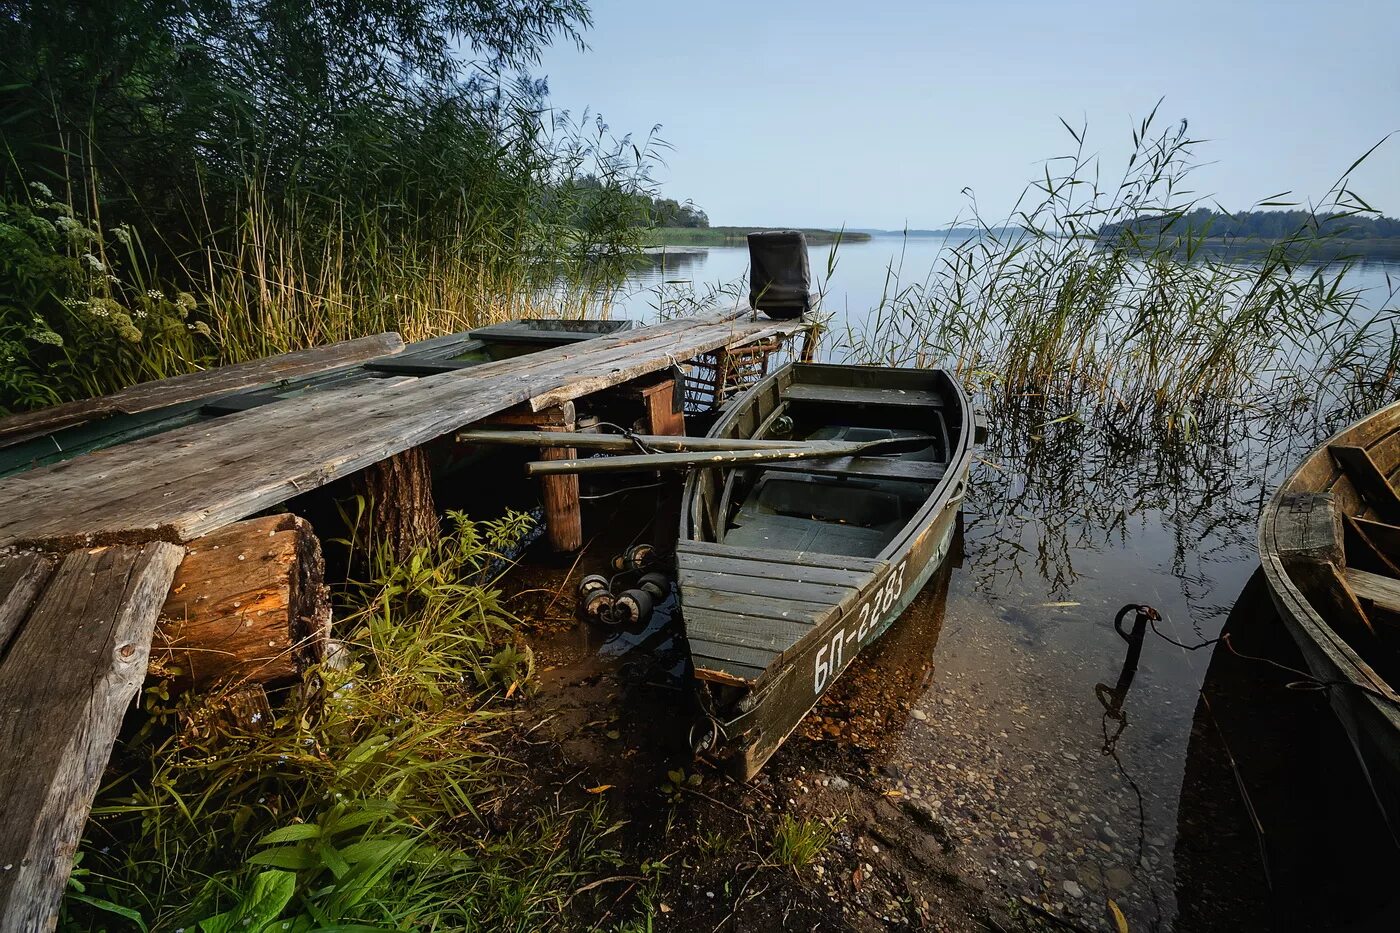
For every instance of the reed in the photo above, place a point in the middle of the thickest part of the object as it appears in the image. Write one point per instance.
(1067, 296)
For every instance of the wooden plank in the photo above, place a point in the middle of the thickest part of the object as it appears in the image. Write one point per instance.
(1368, 480)
(1373, 546)
(70, 675)
(741, 332)
(853, 395)
(768, 556)
(716, 654)
(722, 628)
(803, 574)
(914, 471)
(161, 393)
(743, 604)
(770, 587)
(1383, 591)
(188, 482)
(22, 576)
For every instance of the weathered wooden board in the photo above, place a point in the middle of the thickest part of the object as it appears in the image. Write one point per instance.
(913, 471)
(177, 389)
(249, 603)
(188, 482)
(767, 556)
(22, 576)
(856, 395)
(65, 683)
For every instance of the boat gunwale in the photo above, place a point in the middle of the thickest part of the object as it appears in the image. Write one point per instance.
(1295, 608)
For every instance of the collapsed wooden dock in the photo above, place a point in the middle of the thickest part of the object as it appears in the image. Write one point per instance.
(91, 543)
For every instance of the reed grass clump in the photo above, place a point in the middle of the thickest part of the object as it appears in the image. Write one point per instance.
(1102, 293)
(375, 798)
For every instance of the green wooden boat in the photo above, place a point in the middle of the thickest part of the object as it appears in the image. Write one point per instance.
(788, 570)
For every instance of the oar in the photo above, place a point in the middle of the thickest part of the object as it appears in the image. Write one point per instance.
(796, 450)
(620, 442)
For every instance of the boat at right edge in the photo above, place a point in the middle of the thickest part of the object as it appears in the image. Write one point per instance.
(1329, 542)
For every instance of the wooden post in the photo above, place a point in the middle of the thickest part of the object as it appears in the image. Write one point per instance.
(558, 494)
(662, 416)
(249, 605)
(399, 491)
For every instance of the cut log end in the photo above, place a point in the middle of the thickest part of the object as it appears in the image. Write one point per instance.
(248, 604)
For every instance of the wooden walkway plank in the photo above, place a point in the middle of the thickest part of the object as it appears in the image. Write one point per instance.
(161, 393)
(22, 576)
(193, 480)
(65, 683)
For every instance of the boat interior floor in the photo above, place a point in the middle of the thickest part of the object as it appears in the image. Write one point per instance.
(854, 516)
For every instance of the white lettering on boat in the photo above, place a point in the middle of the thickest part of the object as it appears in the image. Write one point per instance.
(845, 643)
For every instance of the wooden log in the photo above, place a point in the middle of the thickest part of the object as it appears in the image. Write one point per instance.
(68, 678)
(401, 511)
(249, 604)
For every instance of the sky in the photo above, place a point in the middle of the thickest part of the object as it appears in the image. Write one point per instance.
(879, 114)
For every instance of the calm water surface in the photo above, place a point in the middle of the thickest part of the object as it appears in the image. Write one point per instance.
(1194, 789)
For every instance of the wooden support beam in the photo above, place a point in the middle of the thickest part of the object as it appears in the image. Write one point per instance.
(68, 678)
(248, 604)
(558, 494)
(22, 576)
(401, 511)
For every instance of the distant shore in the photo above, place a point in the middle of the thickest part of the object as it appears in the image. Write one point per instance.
(735, 236)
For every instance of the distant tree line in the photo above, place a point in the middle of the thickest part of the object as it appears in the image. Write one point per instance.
(646, 209)
(1257, 225)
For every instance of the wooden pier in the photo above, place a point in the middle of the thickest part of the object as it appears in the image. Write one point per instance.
(90, 544)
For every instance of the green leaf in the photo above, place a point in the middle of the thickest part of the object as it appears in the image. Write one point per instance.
(294, 833)
(269, 895)
(285, 857)
(133, 915)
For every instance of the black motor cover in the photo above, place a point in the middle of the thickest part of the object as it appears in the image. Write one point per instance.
(780, 280)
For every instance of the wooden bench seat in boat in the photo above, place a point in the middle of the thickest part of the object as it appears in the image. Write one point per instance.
(913, 471)
(850, 395)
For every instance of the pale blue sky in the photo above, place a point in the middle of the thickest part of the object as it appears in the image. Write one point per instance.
(874, 114)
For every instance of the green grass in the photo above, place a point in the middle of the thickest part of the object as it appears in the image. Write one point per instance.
(798, 842)
(375, 796)
(735, 236)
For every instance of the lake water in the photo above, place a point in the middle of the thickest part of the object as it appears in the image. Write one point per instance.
(1192, 788)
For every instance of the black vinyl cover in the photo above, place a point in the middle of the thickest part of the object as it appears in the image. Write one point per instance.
(780, 280)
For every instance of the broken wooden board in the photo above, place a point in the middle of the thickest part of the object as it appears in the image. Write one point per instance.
(66, 681)
(148, 396)
(185, 483)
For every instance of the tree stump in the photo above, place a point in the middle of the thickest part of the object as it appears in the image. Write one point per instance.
(248, 605)
(401, 510)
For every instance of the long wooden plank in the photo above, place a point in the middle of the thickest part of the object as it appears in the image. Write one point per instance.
(914, 471)
(161, 393)
(188, 482)
(744, 332)
(22, 576)
(742, 604)
(853, 395)
(74, 668)
(715, 654)
(770, 587)
(748, 568)
(780, 556)
(721, 628)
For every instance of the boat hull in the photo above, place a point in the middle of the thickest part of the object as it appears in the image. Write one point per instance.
(1365, 704)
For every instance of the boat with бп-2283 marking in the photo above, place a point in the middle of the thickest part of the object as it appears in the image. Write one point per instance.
(787, 570)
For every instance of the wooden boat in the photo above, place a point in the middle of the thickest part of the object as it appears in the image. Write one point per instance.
(787, 569)
(1330, 545)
